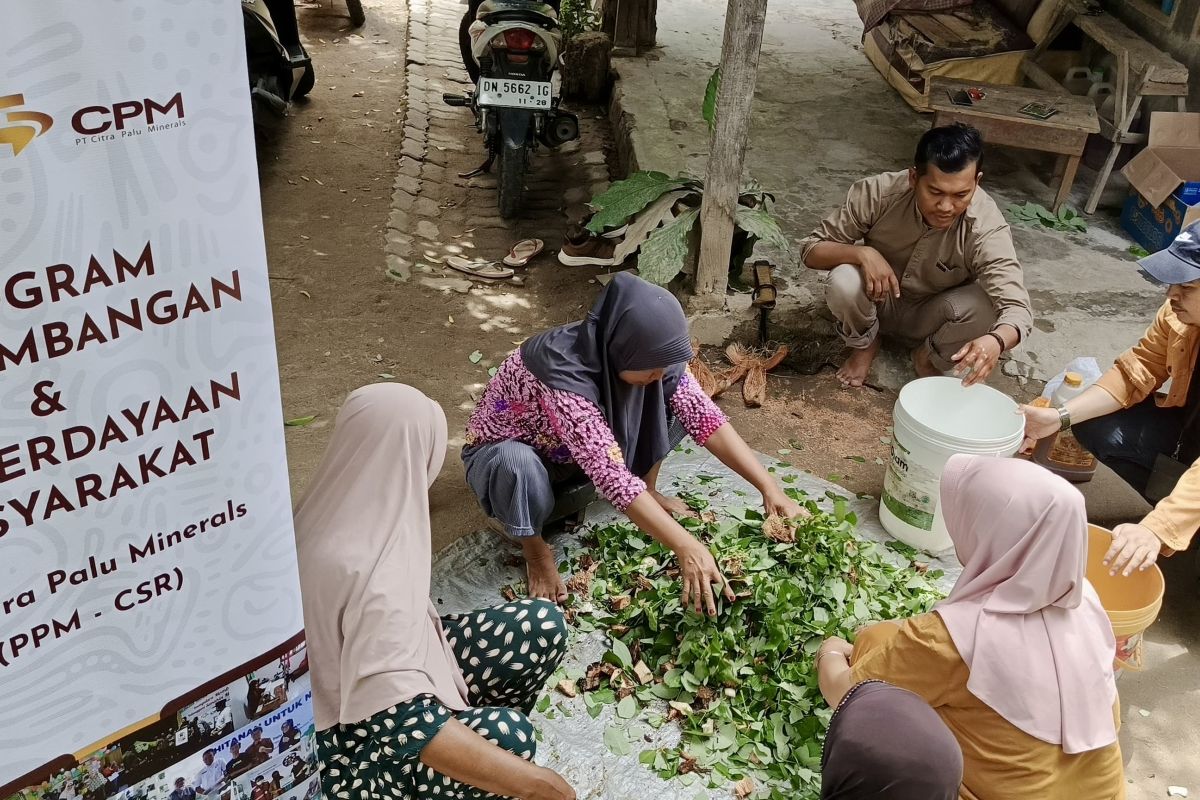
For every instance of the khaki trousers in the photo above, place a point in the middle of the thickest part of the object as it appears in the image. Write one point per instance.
(944, 322)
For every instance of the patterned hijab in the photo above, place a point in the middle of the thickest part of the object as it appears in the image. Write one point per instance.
(634, 325)
(363, 540)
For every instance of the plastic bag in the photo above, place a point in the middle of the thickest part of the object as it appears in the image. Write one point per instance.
(1086, 366)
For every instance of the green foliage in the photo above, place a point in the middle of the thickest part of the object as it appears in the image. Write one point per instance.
(759, 223)
(1033, 214)
(624, 199)
(663, 255)
(708, 109)
(1137, 251)
(743, 686)
(576, 17)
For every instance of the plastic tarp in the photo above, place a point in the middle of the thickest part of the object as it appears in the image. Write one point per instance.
(470, 574)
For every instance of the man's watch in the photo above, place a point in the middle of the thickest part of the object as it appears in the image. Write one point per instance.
(1064, 419)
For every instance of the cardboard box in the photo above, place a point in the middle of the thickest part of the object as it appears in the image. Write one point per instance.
(1165, 178)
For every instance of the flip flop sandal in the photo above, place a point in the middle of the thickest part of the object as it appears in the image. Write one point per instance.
(764, 287)
(484, 270)
(523, 252)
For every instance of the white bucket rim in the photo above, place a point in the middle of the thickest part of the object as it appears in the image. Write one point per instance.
(975, 445)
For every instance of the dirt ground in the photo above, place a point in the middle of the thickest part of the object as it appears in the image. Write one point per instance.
(327, 177)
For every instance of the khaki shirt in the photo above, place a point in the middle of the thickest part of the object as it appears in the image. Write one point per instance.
(881, 212)
(1168, 349)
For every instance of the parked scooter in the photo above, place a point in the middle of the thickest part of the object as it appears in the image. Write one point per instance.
(280, 68)
(513, 49)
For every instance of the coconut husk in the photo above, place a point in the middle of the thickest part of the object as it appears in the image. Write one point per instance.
(752, 365)
(778, 529)
(704, 376)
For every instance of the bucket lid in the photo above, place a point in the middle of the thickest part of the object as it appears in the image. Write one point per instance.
(969, 419)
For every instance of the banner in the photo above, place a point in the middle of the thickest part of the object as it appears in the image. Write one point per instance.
(150, 626)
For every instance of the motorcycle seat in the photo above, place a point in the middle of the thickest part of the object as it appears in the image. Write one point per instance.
(492, 11)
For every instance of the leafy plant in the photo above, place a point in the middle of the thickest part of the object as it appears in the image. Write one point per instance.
(664, 248)
(1137, 251)
(708, 109)
(576, 17)
(742, 687)
(1033, 214)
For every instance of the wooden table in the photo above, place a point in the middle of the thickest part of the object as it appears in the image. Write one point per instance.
(997, 116)
(1142, 71)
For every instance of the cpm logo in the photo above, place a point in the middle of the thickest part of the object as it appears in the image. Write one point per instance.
(100, 119)
(21, 127)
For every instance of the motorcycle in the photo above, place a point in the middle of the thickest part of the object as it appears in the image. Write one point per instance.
(280, 68)
(511, 49)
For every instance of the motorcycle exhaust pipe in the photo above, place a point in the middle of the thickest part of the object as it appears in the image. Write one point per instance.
(563, 128)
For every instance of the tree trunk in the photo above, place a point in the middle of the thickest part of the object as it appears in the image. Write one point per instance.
(587, 59)
(632, 24)
(744, 20)
(647, 35)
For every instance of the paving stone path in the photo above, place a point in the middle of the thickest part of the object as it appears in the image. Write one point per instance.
(435, 213)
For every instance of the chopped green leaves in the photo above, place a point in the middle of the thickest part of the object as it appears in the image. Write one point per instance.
(741, 688)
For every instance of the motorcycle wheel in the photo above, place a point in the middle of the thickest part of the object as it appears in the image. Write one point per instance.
(512, 179)
(307, 81)
(464, 43)
(357, 15)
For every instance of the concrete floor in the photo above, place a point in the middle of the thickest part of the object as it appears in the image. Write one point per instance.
(823, 117)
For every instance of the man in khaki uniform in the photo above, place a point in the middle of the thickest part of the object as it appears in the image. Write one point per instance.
(925, 255)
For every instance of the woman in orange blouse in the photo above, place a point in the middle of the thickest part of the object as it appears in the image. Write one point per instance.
(1017, 660)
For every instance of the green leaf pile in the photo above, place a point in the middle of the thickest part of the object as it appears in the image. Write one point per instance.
(742, 686)
(1066, 219)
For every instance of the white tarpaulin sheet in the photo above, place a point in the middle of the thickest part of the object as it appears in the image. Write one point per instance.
(471, 572)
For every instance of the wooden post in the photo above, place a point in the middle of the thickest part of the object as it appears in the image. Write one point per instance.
(744, 21)
(632, 24)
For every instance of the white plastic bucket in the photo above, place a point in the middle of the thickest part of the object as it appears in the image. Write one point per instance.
(935, 418)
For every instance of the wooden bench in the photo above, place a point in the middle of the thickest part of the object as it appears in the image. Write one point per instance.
(998, 117)
(1142, 71)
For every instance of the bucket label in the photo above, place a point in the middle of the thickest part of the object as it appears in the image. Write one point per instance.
(910, 490)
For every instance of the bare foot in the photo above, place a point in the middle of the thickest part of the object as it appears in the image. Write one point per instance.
(854, 372)
(672, 505)
(544, 580)
(923, 364)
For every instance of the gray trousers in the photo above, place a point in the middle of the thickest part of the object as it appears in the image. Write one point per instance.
(523, 491)
(944, 322)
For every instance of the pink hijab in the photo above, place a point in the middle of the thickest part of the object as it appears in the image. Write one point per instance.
(363, 538)
(1023, 617)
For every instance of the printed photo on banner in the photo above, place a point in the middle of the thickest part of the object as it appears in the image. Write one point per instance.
(264, 761)
(152, 764)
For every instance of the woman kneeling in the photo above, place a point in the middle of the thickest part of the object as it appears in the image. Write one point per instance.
(409, 705)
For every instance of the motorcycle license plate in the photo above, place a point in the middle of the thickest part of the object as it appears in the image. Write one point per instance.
(508, 93)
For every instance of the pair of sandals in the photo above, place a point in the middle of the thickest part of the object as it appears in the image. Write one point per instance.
(519, 256)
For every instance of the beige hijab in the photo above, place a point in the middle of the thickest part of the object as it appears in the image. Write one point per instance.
(363, 538)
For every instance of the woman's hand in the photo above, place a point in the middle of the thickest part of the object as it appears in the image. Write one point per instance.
(777, 502)
(1133, 547)
(698, 571)
(1039, 423)
(548, 785)
(835, 644)
(833, 669)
